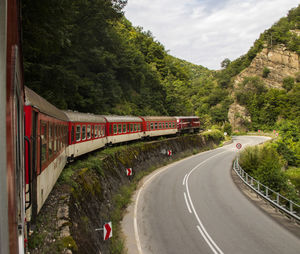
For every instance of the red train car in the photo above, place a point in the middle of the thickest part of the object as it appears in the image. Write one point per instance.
(188, 124)
(159, 125)
(123, 128)
(46, 153)
(12, 185)
(86, 133)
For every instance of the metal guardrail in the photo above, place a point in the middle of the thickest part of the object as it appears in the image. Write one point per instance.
(274, 198)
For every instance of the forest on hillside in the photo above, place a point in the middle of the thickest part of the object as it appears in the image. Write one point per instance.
(86, 56)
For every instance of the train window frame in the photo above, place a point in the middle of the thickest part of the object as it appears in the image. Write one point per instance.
(115, 129)
(159, 124)
(88, 132)
(135, 127)
(151, 125)
(155, 125)
(78, 132)
(103, 131)
(128, 127)
(72, 134)
(83, 132)
(44, 141)
(139, 127)
(124, 127)
(173, 124)
(170, 125)
(131, 127)
(96, 131)
(119, 128)
(50, 138)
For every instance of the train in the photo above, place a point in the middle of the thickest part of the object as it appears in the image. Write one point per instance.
(37, 139)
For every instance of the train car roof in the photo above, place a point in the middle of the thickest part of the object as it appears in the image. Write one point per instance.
(159, 118)
(38, 102)
(75, 116)
(186, 117)
(113, 118)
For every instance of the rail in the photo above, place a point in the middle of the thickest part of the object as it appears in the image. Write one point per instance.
(280, 202)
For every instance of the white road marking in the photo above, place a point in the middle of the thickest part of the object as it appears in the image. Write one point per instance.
(183, 182)
(187, 203)
(137, 238)
(213, 246)
(204, 236)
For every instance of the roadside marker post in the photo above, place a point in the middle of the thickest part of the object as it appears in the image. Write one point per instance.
(107, 230)
(129, 171)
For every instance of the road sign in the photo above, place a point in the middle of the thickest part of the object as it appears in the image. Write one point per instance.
(169, 152)
(107, 231)
(238, 145)
(129, 171)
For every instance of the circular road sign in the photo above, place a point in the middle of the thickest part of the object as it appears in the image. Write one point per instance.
(238, 145)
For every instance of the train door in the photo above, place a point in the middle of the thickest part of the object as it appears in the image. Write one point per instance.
(34, 164)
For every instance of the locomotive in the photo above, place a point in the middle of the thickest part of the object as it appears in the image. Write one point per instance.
(37, 139)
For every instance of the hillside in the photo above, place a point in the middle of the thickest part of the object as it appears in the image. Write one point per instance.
(266, 89)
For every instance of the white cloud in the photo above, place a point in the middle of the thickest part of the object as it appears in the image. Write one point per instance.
(206, 32)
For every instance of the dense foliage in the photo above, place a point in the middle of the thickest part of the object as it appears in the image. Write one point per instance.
(265, 164)
(85, 56)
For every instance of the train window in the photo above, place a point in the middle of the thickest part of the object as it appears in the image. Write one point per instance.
(73, 134)
(54, 138)
(124, 128)
(88, 132)
(115, 129)
(119, 128)
(128, 127)
(103, 130)
(173, 124)
(100, 131)
(139, 127)
(170, 125)
(50, 147)
(131, 127)
(92, 129)
(159, 125)
(83, 132)
(78, 132)
(44, 141)
(96, 130)
(155, 126)
(151, 125)
(135, 127)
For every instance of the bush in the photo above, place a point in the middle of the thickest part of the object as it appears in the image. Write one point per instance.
(266, 72)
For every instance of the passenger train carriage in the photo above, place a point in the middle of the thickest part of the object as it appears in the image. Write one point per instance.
(159, 125)
(123, 128)
(87, 132)
(46, 129)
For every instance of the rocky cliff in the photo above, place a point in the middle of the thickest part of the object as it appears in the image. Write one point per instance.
(272, 65)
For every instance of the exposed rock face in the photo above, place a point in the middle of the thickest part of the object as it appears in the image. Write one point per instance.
(237, 116)
(280, 62)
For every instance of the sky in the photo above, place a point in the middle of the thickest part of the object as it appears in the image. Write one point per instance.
(205, 32)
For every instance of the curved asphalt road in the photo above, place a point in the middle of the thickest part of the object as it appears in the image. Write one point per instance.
(193, 206)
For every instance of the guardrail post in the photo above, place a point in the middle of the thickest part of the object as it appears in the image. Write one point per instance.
(291, 206)
(258, 187)
(246, 178)
(251, 181)
(267, 191)
(277, 198)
